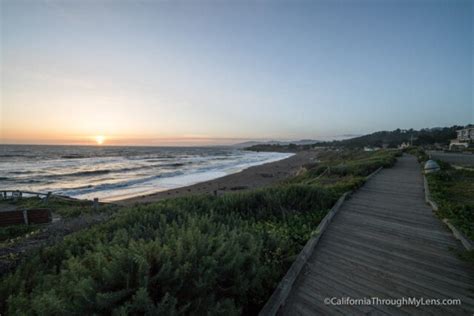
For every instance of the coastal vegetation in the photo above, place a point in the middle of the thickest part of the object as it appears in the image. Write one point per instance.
(280, 147)
(453, 190)
(392, 139)
(198, 254)
(14, 231)
(418, 152)
(60, 206)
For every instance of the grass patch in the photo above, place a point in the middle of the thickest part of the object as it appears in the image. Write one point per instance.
(453, 191)
(418, 152)
(15, 231)
(197, 254)
(346, 170)
(63, 207)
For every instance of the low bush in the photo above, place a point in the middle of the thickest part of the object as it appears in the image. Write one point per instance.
(197, 254)
(348, 165)
(418, 152)
(63, 207)
(14, 231)
(453, 191)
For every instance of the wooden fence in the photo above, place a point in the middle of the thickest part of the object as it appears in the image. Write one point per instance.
(27, 216)
(18, 194)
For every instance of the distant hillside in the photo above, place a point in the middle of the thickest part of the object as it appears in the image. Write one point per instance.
(276, 143)
(423, 137)
(280, 148)
(391, 139)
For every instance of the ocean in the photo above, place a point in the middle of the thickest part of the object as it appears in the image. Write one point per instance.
(113, 173)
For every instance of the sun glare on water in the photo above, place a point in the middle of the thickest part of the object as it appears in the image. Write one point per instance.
(100, 139)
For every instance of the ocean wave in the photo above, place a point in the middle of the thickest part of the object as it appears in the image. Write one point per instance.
(33, 181)
(74, 156)
(118, 170)
(84, 173)
(99, 172)
(17, 181)
(156, 160)
(175, 164)
(21, 172)
(21, 181)
(15, 156)
(111, 186)
(150, 157)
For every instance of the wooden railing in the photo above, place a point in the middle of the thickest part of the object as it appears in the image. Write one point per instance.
(18, 194)
(35, 215)
(15, 195)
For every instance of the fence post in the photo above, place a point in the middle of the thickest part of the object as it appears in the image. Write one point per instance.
(25, 216)
(96, 204)
(45, 201)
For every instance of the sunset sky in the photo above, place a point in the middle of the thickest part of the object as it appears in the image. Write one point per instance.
(212, 72)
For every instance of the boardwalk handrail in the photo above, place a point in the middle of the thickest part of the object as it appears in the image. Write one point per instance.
(282, 291)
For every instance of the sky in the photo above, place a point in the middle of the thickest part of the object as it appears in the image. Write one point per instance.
(212, 72)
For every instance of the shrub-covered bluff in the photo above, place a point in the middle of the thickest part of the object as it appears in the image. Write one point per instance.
(196, 254)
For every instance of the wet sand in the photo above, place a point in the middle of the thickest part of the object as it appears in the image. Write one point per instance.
(251, 178)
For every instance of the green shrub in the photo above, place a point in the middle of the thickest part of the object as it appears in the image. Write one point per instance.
(15, 231)
(453, 190)
(198, 254)
(348, 168)
(63, 207)
(418, 152)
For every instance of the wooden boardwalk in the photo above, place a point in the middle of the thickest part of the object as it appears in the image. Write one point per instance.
(384, 242)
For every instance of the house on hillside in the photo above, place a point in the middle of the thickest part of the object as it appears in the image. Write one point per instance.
(404, 145)
(464, 139)
(369, 148)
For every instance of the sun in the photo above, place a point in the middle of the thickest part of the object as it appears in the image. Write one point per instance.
(99, 139)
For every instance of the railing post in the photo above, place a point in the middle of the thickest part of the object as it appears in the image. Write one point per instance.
(45, 201)
(25, 216)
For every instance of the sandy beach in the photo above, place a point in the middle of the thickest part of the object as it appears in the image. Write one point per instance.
(251, 178)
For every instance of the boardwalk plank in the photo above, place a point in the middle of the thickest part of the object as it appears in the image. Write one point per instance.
(407, 256)
(427, 251)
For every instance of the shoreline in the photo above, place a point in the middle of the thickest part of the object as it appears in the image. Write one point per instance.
(250, 178)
